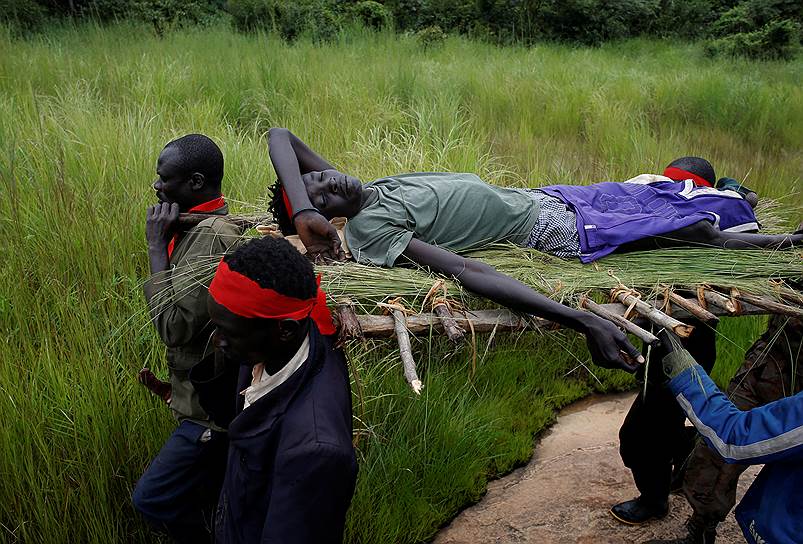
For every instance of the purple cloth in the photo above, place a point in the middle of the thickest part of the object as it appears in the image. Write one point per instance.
(612, 214)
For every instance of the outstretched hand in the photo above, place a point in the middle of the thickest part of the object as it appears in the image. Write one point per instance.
(319, 236)
(610, 347)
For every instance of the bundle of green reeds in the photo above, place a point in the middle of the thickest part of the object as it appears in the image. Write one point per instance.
(760, 272)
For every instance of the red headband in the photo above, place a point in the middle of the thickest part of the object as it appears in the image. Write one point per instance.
(287, 205)
(678, 174)
(244, 297)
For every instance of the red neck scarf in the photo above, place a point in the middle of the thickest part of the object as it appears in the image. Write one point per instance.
(678, 174)
(209, 206)
(244, 297)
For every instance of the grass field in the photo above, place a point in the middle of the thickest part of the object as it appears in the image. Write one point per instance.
(84, 113)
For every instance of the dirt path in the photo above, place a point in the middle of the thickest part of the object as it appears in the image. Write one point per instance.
(564, 493)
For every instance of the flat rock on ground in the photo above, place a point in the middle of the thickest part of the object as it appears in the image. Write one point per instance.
(563, 495)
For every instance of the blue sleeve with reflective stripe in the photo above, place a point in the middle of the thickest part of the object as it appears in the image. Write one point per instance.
(773, 432)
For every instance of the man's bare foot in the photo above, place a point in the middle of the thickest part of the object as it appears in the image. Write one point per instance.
(156, 386)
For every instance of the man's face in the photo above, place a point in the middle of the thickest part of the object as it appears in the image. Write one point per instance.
(333, 193)
(172, 184)
(241, 338)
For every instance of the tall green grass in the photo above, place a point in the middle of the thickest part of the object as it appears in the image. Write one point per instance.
(84, 112)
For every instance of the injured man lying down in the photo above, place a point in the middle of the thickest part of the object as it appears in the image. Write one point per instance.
(427, 218)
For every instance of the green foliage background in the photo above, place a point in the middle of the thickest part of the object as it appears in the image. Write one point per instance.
(753, 28)
(84, 111)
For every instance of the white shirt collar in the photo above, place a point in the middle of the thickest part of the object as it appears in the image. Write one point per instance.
(263, 383)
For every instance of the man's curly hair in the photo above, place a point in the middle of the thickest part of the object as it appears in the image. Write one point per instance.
(275, 264)
(279, 210)
(198, 153)
(696, 165)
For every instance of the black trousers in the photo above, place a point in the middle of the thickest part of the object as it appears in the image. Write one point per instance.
(653, 438)
(179, 490)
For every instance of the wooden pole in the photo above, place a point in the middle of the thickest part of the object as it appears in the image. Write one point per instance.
(771, 305)
(501, 320)
(712, 297)
(734, 295)
(484, 321)
(189, 220)
(693, 308)
(652, 313)
(791, 296)
(629, 326)
(348, 325)
(440, 306)
(406, 351)
(453, 331)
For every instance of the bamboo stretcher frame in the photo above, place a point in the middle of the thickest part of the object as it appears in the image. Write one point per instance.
(502, 320)
(352, 326)
(629, 313)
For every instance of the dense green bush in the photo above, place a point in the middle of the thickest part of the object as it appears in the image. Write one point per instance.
(372, 14)
(162, 14)
(167, 14)
(734, 21)
(315, 18)
(761, 29)
(775, 40)
(753, 15)
(408, 14)
(686, 18)
(430, 36)
(455, 15)
(580, 21)
(22, 15)
(250, 15)
(594, 21)
(320, 19)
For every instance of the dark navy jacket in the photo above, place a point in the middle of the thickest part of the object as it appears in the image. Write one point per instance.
(772, 509)
(291, 466)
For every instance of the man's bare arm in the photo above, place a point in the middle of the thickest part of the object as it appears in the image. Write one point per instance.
(291, 159)
(605, 340)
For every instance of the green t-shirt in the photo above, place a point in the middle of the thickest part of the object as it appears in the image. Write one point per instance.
(458, 212)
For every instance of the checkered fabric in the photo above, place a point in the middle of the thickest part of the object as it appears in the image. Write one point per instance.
(555, 231)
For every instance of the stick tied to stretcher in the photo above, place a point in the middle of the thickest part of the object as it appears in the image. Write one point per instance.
(397, 310)
(631, 298)
(618, 320)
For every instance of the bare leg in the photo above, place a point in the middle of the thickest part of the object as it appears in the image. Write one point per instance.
(703, 234)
